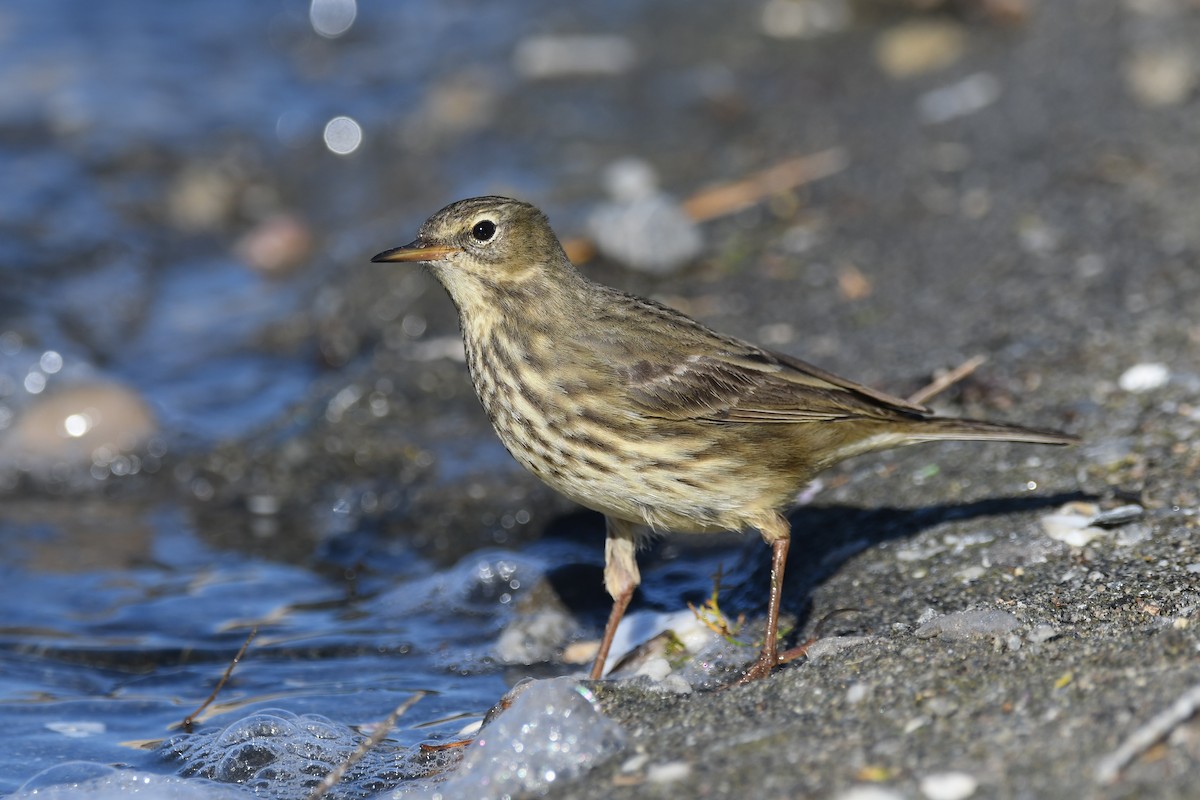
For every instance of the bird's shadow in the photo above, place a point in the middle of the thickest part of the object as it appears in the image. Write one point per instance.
(824, 538)
(683, 569)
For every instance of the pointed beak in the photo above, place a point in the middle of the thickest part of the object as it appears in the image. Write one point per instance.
(416, 251)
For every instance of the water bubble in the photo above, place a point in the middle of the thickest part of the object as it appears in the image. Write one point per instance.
(51, 362)
(343, 135)
(35, 382)
(332, 18)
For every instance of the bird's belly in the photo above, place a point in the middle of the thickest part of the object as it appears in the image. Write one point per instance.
(668, 474)
(659, 477)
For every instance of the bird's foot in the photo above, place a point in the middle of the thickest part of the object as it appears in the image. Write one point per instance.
(760, 669)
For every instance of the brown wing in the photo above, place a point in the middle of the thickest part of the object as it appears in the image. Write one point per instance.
(752, 385)
(673, 367)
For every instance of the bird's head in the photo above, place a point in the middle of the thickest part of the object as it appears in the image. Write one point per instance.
(484, 241)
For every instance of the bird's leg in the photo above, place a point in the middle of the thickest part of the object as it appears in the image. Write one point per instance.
(777, 533)
(621, 577)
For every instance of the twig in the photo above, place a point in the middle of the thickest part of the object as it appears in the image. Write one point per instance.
(800, 650)
(1145, 737)
(364, 747)
(943, 382)
(729, 198)
(190, 719)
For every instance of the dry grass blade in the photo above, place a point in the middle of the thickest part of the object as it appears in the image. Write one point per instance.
(1146, 736)
(364, 747)
(729, 198)
(946, 380)
(190, 719)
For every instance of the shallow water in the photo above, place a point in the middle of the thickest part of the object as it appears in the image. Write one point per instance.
(273, 480)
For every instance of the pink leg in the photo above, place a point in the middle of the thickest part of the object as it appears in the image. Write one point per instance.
(621, 577)
(776, 532)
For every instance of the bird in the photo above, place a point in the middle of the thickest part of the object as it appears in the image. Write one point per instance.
(639, 412)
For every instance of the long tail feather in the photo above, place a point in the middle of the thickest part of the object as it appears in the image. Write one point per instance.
(939, 428)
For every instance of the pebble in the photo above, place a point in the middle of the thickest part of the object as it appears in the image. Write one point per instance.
(870, 792)
(544, 57)
(1121, 515)
(830, 645)
(1043, 633)
(804, 19)
(971, 624)
(1078, 523)
(642, 227)
(1144, 377)
(275, 245)
(941, 706)
(962, 98)
(948, 786)
(668, 772)
(857, 693)
(1071, 528)
(79, 425)
(920, 46)
(201, 198)
(1161, 76)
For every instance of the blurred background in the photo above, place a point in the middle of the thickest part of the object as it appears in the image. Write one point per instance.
(215, 412)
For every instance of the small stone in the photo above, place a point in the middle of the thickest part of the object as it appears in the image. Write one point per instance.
(804, 19)
(959, 99)
(1144, 377)
(1161, 76)
(642, 227)
(1120, 515)
(201, 198)
(949, 786)
(581, 652)
(972, 624)
(668, 772)
(920, 46)
(941, 706)
(1042, 633)
(80, 425)
(1072, 525)
(829, 645)
(870, 792)
(543, 57)
(275, 245)
(857, 693)
(1133, 535)
(970, 574)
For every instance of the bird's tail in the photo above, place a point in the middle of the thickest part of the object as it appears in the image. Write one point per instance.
(943, 428)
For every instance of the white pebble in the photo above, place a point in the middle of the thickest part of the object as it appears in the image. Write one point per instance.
(542, 57)
(857, 693)
(962, 98)
(669, 772)
(1075, 530)
(1144, 377)
(948, 786)
(869, 792)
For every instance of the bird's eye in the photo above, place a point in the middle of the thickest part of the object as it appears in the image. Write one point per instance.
(484, 230)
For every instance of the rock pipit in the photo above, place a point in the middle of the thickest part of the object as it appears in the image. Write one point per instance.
(641, 413)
